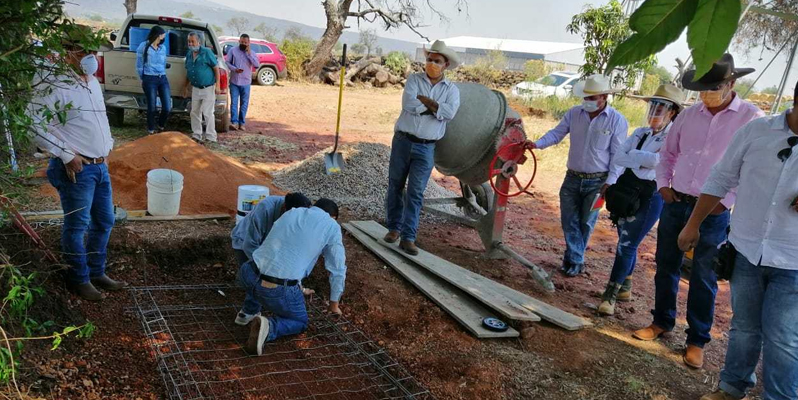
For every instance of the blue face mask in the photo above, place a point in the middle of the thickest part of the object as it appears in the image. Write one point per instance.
(194, 48)
(89, 64)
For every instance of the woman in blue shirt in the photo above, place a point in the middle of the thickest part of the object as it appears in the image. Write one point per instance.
(151, 67)
(634, 167)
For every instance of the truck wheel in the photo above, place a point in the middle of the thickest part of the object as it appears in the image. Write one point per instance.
(223, 123)
(116, 116)
(267, 76)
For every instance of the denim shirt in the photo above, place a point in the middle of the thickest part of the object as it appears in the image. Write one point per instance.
(156, 60)
(200, 70)
(250, 232)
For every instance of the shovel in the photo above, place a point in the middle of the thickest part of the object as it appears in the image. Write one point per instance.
(334, 161)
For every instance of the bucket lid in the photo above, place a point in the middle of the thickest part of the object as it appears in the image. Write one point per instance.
(162, 176)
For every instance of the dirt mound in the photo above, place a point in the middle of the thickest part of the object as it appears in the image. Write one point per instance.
(361, 186)
(210, 180)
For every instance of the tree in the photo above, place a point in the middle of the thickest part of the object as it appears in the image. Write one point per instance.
(650, 84)
(294, 33)
(266, 32)
(766, 30)
(602, 30)
(378, 51)
(536, 69)
(218, 29)
(391, 14)
(664, 75)
(770, 90)
(238, 24)
(368, 38)
(744, 87)
(358, 48)
(130, 6)
(189, 15)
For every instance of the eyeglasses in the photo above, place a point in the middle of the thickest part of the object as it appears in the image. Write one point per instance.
(786, 153)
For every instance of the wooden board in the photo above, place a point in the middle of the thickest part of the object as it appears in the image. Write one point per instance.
(467, 311)
(472, 282)
(132, 216)
(468, 282)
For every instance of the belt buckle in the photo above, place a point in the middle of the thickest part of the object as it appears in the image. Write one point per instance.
(268, 284)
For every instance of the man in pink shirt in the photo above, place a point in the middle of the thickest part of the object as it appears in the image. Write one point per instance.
(696, 142)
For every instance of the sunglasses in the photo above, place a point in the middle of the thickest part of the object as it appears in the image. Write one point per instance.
(786, 153)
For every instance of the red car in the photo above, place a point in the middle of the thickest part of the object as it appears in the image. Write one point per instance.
(272, 60)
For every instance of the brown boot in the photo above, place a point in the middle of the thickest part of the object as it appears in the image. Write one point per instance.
(87, 291)
(694, 356)
(106, 283)
(625, 294)
(391, 237)
(718, 395)
(607, 306)
(409, 247)
(649, 333)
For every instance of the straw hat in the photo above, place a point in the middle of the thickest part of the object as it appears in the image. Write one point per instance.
(439, 47)
(593, 85)
(666, 92)
(722, 71)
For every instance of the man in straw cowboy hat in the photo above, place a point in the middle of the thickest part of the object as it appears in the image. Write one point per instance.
(429, 102)
(697, 140)
(78, 168)
(632, 198)
(597, 132)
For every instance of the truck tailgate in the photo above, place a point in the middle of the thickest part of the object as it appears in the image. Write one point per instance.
(121, 75)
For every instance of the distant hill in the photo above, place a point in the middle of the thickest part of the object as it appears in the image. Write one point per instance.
(113, 12)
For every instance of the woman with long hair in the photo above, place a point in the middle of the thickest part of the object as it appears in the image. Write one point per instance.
(632, 198)
(151, 66)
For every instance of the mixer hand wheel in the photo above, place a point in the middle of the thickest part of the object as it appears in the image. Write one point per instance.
(511, 155)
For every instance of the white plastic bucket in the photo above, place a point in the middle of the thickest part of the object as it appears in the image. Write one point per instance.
(248, 198)
(164, 187)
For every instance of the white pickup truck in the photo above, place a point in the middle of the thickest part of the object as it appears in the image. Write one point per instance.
(120, 81)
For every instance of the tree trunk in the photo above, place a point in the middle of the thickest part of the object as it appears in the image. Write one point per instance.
(336, 18)
(130, 6)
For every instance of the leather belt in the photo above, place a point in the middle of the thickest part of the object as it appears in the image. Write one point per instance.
(415, 139)
(98, 160)
(585, 175)
(203, 87)
(276, 281)
(686, 197)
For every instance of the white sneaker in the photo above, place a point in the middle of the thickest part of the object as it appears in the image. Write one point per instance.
(243, 319)
(257, 336)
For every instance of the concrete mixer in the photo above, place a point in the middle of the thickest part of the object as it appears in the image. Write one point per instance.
(482, 148)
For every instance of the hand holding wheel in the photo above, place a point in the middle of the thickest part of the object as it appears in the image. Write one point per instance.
(511, 155)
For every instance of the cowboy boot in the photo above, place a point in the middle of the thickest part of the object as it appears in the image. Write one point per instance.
(626, 290)
(607, 306)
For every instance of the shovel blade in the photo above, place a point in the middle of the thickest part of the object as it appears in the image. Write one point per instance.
(333, 163)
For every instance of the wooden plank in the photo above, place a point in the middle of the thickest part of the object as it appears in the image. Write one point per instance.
(467, 282)
(454, 301)
(197, 217)
(463, 279)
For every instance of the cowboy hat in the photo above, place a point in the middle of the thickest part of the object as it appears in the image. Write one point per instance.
(81, 36)
(666, 92)
(439, 47)
(593, 85)
(722, 71)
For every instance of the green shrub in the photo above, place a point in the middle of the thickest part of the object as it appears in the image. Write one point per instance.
(554, 106)
(487, 69)
(297, 50)
(634, 110)
(536, 69)
(650, 84)
(397, 62)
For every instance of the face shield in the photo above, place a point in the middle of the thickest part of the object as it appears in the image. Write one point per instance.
(659, 113)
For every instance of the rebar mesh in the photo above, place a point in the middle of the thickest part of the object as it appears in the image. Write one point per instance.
(199, 352)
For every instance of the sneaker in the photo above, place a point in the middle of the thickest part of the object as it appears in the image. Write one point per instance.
(244, 319)
(258, 333)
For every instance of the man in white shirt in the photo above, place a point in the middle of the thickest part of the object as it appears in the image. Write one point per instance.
(429, 101)
(79, 144)
(762, 163)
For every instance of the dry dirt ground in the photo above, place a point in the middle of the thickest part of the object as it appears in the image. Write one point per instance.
(291, 121)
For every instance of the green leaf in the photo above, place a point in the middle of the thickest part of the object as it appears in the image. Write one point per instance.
(56, 342)
(711, 31)
(656, 24)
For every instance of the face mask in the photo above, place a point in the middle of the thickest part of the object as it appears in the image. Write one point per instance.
(713, 98)
(590, 105)
(433, 70)
(89, 64)
(193, 48)
(243, 47)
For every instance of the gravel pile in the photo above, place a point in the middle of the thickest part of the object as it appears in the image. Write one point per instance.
(360, 187)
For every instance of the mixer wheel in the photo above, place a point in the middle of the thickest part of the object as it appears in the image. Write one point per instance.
(484, 196)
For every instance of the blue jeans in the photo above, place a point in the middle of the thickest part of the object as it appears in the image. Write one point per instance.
(239, 94)
(286, 303)
(703, 281)
(157, 87)
(411, 163)
(88, 208)
(765, 306)
(577, 196)
(632, 231)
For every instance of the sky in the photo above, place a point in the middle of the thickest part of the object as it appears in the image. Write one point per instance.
(543, 20)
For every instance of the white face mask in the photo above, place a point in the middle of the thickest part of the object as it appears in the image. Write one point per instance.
(590, 105)
(89, 64)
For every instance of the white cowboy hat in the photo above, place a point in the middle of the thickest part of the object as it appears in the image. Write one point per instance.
(665, 92)
(440, 47)
(593, 85)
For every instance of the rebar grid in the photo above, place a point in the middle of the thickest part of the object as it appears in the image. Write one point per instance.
(200, 355)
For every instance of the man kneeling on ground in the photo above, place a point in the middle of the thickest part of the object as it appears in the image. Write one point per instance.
(287, 256)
